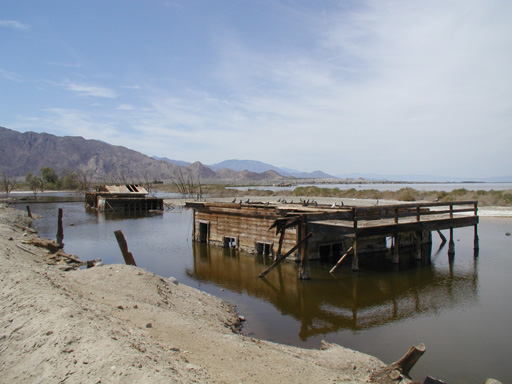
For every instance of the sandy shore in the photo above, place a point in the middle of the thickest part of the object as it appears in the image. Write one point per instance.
(121, 324)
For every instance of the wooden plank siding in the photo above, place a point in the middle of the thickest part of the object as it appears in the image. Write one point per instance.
(333, 228)
(248, 226)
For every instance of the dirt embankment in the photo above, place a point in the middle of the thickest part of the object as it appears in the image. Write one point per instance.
(121, 324)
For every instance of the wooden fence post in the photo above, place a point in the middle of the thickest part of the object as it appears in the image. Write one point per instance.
(60, 230)
(128, 257)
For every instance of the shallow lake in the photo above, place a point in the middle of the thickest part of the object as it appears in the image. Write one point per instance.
(392, 186)
(459, 307)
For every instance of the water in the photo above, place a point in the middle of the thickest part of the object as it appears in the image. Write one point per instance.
(447, 187)
(460, 308)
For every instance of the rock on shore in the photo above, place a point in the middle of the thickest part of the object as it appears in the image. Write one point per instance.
(122, 324)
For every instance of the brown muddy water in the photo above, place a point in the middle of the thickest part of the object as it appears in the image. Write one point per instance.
(460, 307)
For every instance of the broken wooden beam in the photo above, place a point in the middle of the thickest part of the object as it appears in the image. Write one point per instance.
(128, 257)
(395, 371)
(279, 260)
(341, 259)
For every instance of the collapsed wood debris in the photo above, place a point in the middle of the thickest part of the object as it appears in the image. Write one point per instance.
(56, 256)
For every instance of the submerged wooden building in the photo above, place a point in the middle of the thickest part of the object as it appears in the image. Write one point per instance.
(127, 198)
(306, 231)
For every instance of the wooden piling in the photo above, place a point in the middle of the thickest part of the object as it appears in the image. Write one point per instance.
(396, 256)
(451, 244)
(304, 269)
(419, 240)
(60, 230)
(128, 257)
(29, 212)
(476, 243)
(355, 257)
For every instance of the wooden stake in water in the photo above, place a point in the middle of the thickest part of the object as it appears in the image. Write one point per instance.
(60, 230)
(128, 257)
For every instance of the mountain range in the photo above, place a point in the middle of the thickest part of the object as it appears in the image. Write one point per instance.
(255, 166)
(21, 153)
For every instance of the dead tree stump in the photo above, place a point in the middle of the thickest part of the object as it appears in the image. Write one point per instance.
(399, 369)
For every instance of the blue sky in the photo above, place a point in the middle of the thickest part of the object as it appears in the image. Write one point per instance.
(389, 87)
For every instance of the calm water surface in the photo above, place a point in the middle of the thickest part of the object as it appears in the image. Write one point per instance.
(448, 187)
(460, 308)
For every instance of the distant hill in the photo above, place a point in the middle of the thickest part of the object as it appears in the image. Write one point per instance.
(21, 153)
(425, 178)
(175, 162)
(258, 166)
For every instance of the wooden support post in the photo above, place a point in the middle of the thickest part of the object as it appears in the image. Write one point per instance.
(396, 256)
(194, 225)
(355, 257)
(451, 244)
(443, 238)
(29, 212)
(419, 241)
(304, 270)
(341, 259)
(283, 257)
(60, 230)
(280, 247)
(476, 243)
(128, 257)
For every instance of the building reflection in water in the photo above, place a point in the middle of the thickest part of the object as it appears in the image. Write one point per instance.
(329, 303)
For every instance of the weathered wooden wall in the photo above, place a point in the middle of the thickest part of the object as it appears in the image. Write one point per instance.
(248, 225)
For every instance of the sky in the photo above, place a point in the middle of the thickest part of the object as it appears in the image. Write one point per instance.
(364, 87)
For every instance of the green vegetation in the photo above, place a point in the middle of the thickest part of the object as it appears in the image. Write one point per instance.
(51, 181)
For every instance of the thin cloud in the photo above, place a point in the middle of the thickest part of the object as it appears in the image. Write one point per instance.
(13, 24)
(10, 76)
(91, 90)
(125, 107)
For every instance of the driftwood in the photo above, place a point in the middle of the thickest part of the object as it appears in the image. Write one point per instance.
(399, 369)
(65, 255)
(50, 245)
(53, 255)
(27, 250)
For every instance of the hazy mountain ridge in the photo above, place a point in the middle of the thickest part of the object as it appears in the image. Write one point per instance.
(21, 153)
(259, 167)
